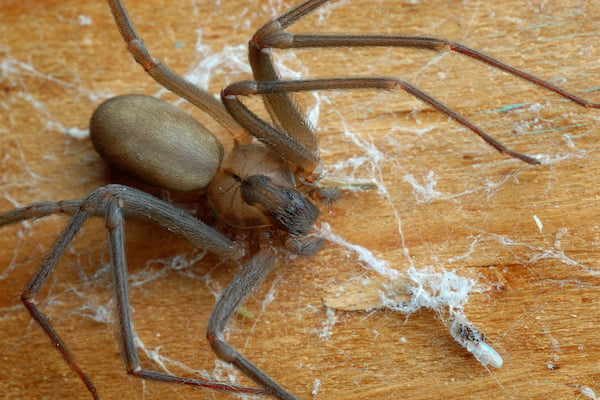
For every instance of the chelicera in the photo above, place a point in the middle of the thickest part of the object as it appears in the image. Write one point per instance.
(267, 181)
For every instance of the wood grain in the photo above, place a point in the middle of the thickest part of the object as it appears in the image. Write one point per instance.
(474, 213)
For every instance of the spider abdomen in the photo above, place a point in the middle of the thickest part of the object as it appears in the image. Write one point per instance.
(155, 142)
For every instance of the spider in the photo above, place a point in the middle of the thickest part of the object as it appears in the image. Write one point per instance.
(270, 181)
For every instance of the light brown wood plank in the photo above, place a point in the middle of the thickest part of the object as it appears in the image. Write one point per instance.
(540, 310)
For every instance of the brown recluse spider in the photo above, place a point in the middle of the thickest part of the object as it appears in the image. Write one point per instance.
(260, 186)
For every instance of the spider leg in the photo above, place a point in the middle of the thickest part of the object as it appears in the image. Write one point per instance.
(114, 226)
(167, 77)
(250, 276)
(287, 114)
(285, 40)
(41, 209)
(36, 282)
(270, 134)
(282, 107)
(112, 200)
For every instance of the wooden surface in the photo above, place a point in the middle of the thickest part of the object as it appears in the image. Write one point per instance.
(474, 214)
